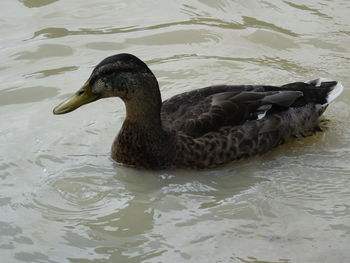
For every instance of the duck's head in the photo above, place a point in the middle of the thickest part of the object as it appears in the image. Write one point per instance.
(122, 75)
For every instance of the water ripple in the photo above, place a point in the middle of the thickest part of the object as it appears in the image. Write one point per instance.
(53, 32)
(306, 8)
(274, 62)
(256, 23)
(26, 95)
(248, 22)
(50, 72)
(45, 51)
(69, 196)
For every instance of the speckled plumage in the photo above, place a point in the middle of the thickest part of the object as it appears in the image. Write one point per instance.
(206, 127)
(219, 124)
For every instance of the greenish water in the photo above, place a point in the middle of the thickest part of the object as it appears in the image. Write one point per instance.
(63, 200)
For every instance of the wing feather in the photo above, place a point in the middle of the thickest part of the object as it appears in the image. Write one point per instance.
(205, 110)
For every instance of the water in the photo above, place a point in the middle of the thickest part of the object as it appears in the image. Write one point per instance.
(63, 200)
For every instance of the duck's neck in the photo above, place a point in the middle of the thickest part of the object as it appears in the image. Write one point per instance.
(141, 141)
(144, 111)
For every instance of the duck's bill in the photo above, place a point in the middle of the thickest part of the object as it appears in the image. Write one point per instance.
(81, 97)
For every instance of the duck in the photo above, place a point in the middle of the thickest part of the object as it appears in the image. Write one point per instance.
(202, 128)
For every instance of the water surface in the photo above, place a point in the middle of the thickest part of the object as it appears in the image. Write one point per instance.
(63, 200)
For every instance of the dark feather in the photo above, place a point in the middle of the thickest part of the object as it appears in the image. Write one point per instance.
(198, 112)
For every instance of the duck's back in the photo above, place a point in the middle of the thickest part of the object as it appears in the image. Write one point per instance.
(218, 124)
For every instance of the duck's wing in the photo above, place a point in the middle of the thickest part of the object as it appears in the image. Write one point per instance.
(201, 111)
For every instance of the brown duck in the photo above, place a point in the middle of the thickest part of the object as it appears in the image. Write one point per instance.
(203, 128)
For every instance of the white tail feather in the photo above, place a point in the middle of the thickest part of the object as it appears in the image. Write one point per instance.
(338, 89)
(335, 92)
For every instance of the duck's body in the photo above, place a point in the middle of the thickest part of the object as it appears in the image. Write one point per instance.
(203, 128)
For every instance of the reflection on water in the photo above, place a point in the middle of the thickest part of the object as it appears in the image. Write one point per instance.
(26, 95)
(49, 72)
(44, 51)
(63, 200)
(36, 3)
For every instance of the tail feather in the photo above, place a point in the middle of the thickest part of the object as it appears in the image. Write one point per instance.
(335, 88)
(336, 91)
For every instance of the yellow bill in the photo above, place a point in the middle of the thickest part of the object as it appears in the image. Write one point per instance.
(81, 97)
